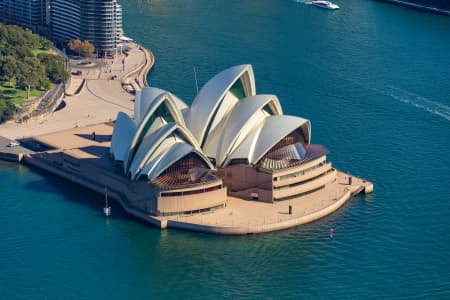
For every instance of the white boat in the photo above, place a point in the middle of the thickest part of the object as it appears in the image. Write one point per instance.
(324, 4)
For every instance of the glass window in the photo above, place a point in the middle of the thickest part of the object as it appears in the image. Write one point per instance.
(238, 89)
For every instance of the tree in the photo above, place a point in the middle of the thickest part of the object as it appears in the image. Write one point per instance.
(54, 66)
(6, 110)
(23, 51)
(87, 47)
(75, 46)
(30, 72)
(45, 44)
(8, 67)
(78, 46)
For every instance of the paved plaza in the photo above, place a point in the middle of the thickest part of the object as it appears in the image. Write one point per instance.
(99, 100)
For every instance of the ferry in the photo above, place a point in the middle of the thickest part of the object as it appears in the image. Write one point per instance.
(325, 4)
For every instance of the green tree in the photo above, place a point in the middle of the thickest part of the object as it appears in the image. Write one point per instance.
(19, 63)
(8, 67)
(54, 67)
(45, 44)
(7, 110)
(30, 71)
(23, 51)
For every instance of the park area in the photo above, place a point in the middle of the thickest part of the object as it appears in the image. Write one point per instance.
(28, 68)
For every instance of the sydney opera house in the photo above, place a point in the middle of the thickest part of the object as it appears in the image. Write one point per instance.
(229, 142)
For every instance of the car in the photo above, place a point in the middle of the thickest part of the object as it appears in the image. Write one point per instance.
(13, 144)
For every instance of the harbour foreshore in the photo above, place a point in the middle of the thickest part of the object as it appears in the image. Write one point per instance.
(75, 156)
(64, 146)
(96, 95)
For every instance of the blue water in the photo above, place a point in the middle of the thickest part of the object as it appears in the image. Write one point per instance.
(375, 81)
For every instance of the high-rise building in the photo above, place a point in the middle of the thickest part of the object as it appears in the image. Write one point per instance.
(65, 20)
(97, 21)
(32, 14)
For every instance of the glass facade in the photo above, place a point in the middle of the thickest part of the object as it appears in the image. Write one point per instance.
(97, 21)
(238, 89)
(26, 13)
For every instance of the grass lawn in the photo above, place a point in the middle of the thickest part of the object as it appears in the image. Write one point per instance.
(14, 94)
(39, 50)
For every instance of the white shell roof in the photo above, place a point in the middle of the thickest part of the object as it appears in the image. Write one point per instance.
(207, 100)
(161, 99)
(158, 155)
(238, 129)
(168, 158)
(146, 148)
(123, 133)
(151, 142)
(247, 114)
(265, 136)
(146, 96)
(175, 153)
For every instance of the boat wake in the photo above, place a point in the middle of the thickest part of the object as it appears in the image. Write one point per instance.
(302, 1)
(410, 98)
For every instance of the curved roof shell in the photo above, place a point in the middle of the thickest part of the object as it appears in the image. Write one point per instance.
(148, 125)
(226, 122)
(124, 130)
(206, 107)
(145, 97)
(266, 135)
(176, 152)
(246, 115)
(152, 142)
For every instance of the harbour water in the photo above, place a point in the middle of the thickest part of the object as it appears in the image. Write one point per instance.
(373, 78)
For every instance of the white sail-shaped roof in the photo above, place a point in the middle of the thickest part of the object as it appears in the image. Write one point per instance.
(158, 154)
(162, 108)
(153, 141)
(146, 96)
(215, 100)
(267, 135)
(226, 122)
(123, 133)
(174, 154)
(246, 115)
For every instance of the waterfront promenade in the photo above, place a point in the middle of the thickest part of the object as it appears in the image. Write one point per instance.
(245, 216)
(99, 99)
(74, 154)
(100, 89)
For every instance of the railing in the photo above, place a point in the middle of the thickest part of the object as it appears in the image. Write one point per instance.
(193, 192)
